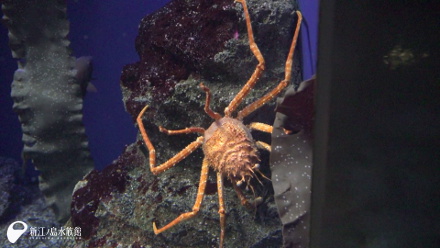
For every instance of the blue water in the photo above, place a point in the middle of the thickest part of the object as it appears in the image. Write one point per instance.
(105, 30)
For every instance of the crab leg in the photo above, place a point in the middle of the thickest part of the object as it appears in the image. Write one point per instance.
(183, 131)
(196, 207)
(288, 73)
(208, 110)
(221, 206)
(258, 70)
(263, 145)
(263, 127)
(172, 161)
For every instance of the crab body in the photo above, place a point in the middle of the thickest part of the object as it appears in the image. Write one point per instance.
(230, 149)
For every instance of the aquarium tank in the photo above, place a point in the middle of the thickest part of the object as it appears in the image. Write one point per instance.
(219, 123)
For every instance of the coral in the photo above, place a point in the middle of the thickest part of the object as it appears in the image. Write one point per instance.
(47, 98)
(291, 162)
(179, 46)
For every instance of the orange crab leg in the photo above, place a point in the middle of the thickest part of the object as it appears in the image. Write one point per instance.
(288, 72)
(183, 131)
(196, 207)
(258, 70)
(263, 145)
(172, 161)
(221, 207)
(263, 127)
(208, 110)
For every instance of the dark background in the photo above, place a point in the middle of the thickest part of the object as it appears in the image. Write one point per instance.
(376, 175)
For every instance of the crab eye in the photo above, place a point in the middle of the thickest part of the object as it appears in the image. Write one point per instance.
(256, 166)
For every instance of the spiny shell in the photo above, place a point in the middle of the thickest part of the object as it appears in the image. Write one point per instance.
(230, 149)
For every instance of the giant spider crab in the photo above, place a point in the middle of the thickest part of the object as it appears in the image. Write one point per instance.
(227, 144)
